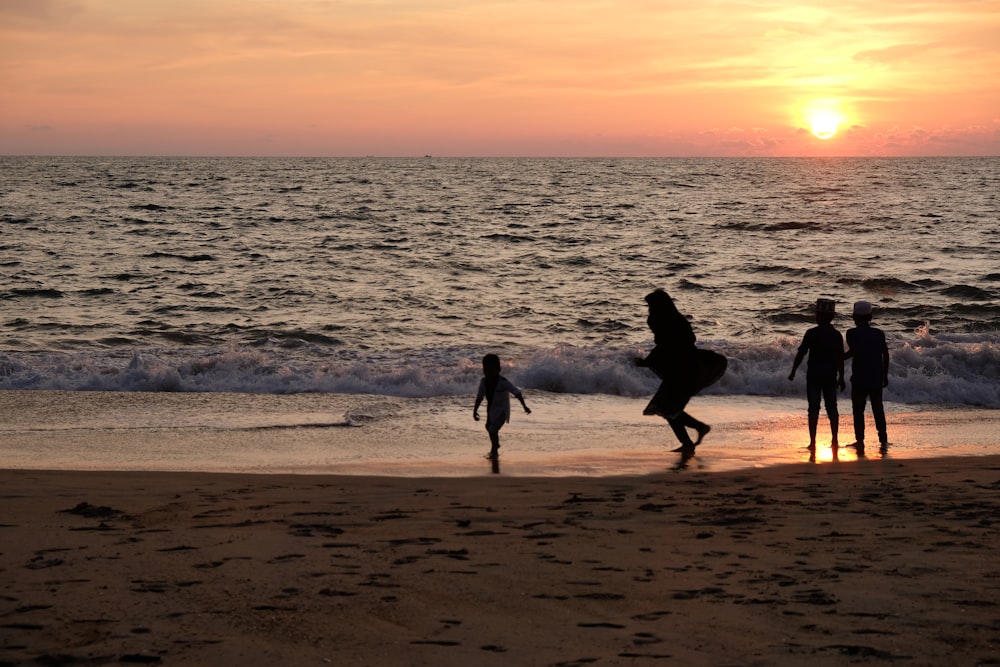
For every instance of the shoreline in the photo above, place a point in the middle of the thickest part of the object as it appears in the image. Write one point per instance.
(566, 435)
(871, 561)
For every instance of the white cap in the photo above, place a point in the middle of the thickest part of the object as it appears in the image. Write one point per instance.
(862, 308)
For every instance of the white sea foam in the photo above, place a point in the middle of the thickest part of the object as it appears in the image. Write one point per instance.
(957, 370)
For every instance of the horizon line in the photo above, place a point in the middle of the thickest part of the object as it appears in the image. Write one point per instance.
(495, 157)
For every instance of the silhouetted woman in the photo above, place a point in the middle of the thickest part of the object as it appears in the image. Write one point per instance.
(675, 359)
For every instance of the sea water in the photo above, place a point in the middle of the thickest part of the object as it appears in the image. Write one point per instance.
(390, 278)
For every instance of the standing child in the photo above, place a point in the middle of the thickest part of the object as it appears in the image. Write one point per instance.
(869, 373)
(825, 370)
(496, 389)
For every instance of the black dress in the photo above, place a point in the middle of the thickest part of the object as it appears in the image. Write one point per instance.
(674, 360)
(683, 368)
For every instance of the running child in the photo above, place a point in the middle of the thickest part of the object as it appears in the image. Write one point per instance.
(496, 389)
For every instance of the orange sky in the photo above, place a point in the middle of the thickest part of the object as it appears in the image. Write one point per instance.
(498, 77)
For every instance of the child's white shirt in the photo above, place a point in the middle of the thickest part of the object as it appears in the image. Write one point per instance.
(499, 408)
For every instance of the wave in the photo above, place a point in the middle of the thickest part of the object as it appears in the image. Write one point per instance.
(204, 257)
(969, 292)
(956, 369)
(40, 293)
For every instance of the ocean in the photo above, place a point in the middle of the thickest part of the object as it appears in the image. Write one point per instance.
(390, 278)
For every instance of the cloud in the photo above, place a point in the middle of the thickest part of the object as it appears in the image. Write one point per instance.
(600, 73)
(37, 12)
(894, 54)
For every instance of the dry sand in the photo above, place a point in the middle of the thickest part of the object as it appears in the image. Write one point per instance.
(862, 562)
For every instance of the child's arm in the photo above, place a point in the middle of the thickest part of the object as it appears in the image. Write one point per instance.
(795, 365)
(840, 369)
(885, 363)
(798, 360)
(509, 387)
(480, 395)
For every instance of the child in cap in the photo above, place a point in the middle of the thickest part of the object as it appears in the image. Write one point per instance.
(869, 372)
(825, 370)
(496, 389)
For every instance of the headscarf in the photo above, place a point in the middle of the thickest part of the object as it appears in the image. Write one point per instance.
(669, 327)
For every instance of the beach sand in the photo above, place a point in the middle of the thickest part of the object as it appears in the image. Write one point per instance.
(877, 561)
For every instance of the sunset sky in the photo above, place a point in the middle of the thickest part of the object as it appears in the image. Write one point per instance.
(499, 78)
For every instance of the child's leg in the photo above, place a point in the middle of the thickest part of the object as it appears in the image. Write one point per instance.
(859, 396)
(494, 431)
(830, 400)
(878, 411)
(813, 393)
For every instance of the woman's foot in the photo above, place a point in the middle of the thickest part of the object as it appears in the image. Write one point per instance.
(702, 432)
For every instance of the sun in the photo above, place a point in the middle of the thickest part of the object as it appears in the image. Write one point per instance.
(823, 117)
(824, 123)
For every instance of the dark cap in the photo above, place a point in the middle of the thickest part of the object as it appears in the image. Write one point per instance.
(826, 306)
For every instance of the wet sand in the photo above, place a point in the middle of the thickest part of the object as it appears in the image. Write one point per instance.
(566, 435)
(877, 561)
